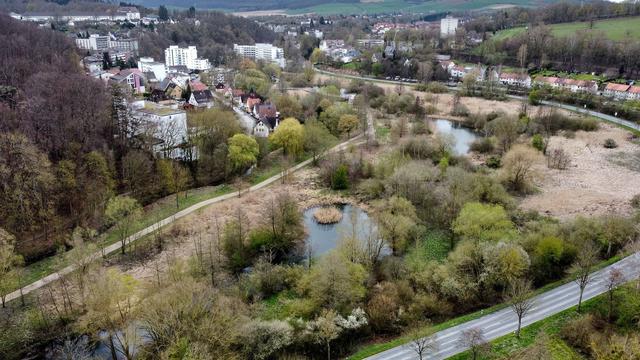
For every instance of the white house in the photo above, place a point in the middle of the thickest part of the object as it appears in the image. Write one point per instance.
(147, 64)
(616, 91)
(515, 79)
(165, 124)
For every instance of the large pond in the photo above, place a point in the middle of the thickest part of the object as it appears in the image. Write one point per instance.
(462, 136)
(324, 238)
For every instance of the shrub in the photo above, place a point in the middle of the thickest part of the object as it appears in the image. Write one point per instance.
(635, 201)
(558, 159)
(537, 141)
(460, 109)
(436, 88)
(494, 162)
(483, 145)
(577, 332)
(327, 215)
(340, 178)
(420, 148)
(610, 144)
(419, 128)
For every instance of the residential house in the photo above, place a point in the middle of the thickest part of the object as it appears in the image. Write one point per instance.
(634, 93)
(567, 84)
(133, 78)
(515, 79)
(579, 85)
(460, 72)
(201, 99)
(165, 124)
(250, 102)
(549, 81)
(616, 91)
(268, 119)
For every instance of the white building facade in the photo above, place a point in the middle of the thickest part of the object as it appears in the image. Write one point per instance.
(147, 64)
(448, 26)
(261, 51)
(177, 56)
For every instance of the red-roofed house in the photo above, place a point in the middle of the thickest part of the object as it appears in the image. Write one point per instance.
(616, 91)
(197, 86)
(634, 93)
(515, 79)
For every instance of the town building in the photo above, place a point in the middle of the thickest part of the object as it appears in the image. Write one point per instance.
(515, 79)
(567, 84)
(147, 64)
(616, 91)
(177, 56)
(94, 42)
(132, 78)
(166, 124)
(201, 98)
(261, 51)
(448, 26)
(126, 13)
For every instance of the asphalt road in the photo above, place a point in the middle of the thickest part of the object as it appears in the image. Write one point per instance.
(116, 246)
(505, 321)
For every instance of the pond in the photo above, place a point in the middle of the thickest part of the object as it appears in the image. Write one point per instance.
(462, 136)
(98, 349)
(324, 238)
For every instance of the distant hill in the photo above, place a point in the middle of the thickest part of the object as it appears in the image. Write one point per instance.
(343, 6)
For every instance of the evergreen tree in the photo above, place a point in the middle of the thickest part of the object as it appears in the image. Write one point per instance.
(163, 13)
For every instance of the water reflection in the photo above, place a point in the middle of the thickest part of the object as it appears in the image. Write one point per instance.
(463, 137)
(355, 223)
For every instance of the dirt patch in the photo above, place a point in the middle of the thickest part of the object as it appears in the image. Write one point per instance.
(593, 184)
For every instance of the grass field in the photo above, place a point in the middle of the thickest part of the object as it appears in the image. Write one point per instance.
(387, 6)
(615, 29)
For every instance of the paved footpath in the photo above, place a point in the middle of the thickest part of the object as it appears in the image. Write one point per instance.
(182, 213)
(505, 321)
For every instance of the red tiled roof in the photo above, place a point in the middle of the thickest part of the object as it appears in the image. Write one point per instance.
(507, 75)
(617, 87)
(548, 80)
(634, 89)
(198, 86)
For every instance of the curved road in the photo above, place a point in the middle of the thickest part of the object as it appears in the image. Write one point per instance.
(148, 230)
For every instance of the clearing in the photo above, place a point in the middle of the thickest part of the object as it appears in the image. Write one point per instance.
(615, 29)
(595, 183)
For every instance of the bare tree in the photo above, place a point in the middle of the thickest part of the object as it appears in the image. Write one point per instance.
(474, 340)
(421, 344)
(615, 279)
(587, 257)
(520, 300)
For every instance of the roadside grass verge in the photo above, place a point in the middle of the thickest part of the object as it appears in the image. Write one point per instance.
(503, 347)
(372, 349)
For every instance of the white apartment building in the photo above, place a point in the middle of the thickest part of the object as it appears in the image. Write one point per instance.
(95, 42)
(147, 64)
(177, 56)
(261, 51)
(448, 26)
(124, 45)
(121, 14)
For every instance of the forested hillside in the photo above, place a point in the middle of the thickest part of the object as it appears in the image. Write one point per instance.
(54, 124)
(214, 36)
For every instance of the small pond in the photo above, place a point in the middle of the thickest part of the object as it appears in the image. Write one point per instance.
(463, 136)
(323, 238)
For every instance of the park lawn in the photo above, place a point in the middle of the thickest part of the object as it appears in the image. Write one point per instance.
(387, 6)
(615, 29)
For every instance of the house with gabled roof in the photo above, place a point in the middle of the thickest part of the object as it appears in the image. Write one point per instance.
(201, 99)
(616, 91)
(515, 79)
